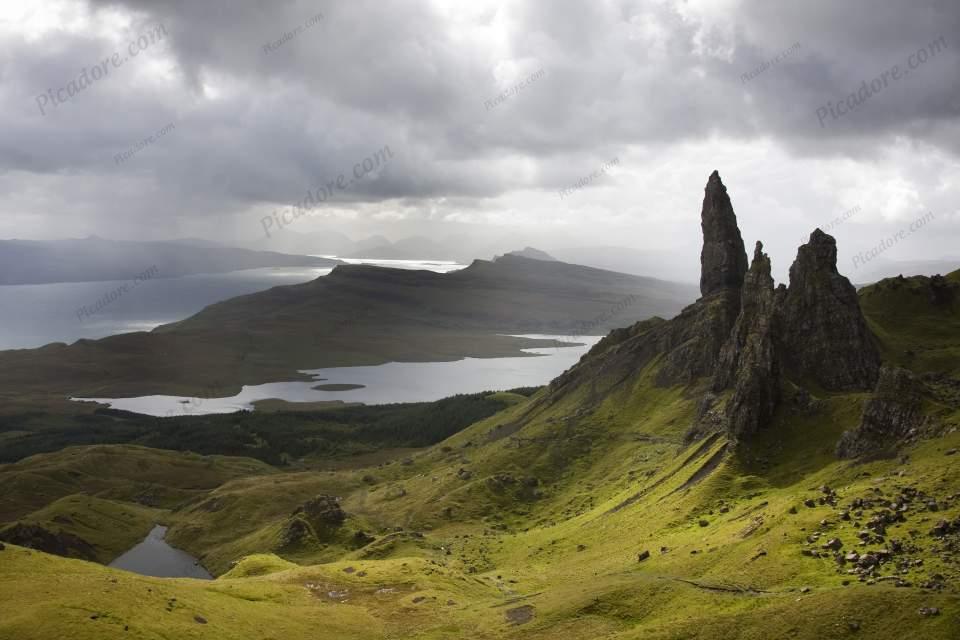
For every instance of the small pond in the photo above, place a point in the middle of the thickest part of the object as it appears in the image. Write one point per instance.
(154, 557)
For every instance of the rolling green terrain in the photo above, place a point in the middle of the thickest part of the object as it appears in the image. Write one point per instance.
(563, 514)
(770, 463)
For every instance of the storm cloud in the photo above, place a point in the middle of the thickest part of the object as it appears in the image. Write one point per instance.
(266, 102)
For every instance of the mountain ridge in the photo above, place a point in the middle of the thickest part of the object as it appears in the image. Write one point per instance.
(358, 314)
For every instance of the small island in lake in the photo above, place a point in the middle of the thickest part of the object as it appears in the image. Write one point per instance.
(339, 387)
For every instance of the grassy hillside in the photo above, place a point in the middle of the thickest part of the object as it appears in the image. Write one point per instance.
(726, 548)
(917, 322)
(571, 514)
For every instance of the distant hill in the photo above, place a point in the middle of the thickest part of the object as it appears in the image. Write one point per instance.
(97, 259)
(412, 248)
(655, 264)
(533, 254)
(323, 243)
(893, 268)
(509, 294)
(331, 243)
(357, 315)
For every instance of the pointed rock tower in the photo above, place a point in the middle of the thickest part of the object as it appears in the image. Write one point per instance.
(743, 336)
(825, 336)
(749, 362)
(697, 335)
(723, 259)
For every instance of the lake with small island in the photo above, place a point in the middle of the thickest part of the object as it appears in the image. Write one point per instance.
(155, 557)
(388, 383)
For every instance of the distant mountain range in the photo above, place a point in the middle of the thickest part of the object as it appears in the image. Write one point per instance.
(332, 243)
(656, 264)
(357, 315)
(97, 259)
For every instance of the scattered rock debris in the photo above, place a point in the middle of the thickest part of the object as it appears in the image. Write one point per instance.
(520, 615)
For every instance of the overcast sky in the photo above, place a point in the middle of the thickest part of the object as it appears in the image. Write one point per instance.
(490, 110)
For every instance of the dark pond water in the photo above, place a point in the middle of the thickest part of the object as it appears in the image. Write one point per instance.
(154, 557)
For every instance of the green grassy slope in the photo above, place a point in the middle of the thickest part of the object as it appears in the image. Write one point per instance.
(571, 551)
(100, 501)
(571, 515)
(915, 329)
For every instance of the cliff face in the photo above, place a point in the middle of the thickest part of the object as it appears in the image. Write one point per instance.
(749, 362)
(825, 337)
(889, 416)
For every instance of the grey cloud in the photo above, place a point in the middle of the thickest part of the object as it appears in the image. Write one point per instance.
(255, 131)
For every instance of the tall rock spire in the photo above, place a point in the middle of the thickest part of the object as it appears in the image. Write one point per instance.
(825, 335)
(695, 339)
(749, 362)
(723, 260)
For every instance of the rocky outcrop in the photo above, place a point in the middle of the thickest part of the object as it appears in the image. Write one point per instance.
(322, 512)
(691, 342)
(723, 259)
(749, 362)
(60, 543)
(296, 534)
(943, 292)
(743, 335)
(889, 416)
(316, 520)
(825, 337)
